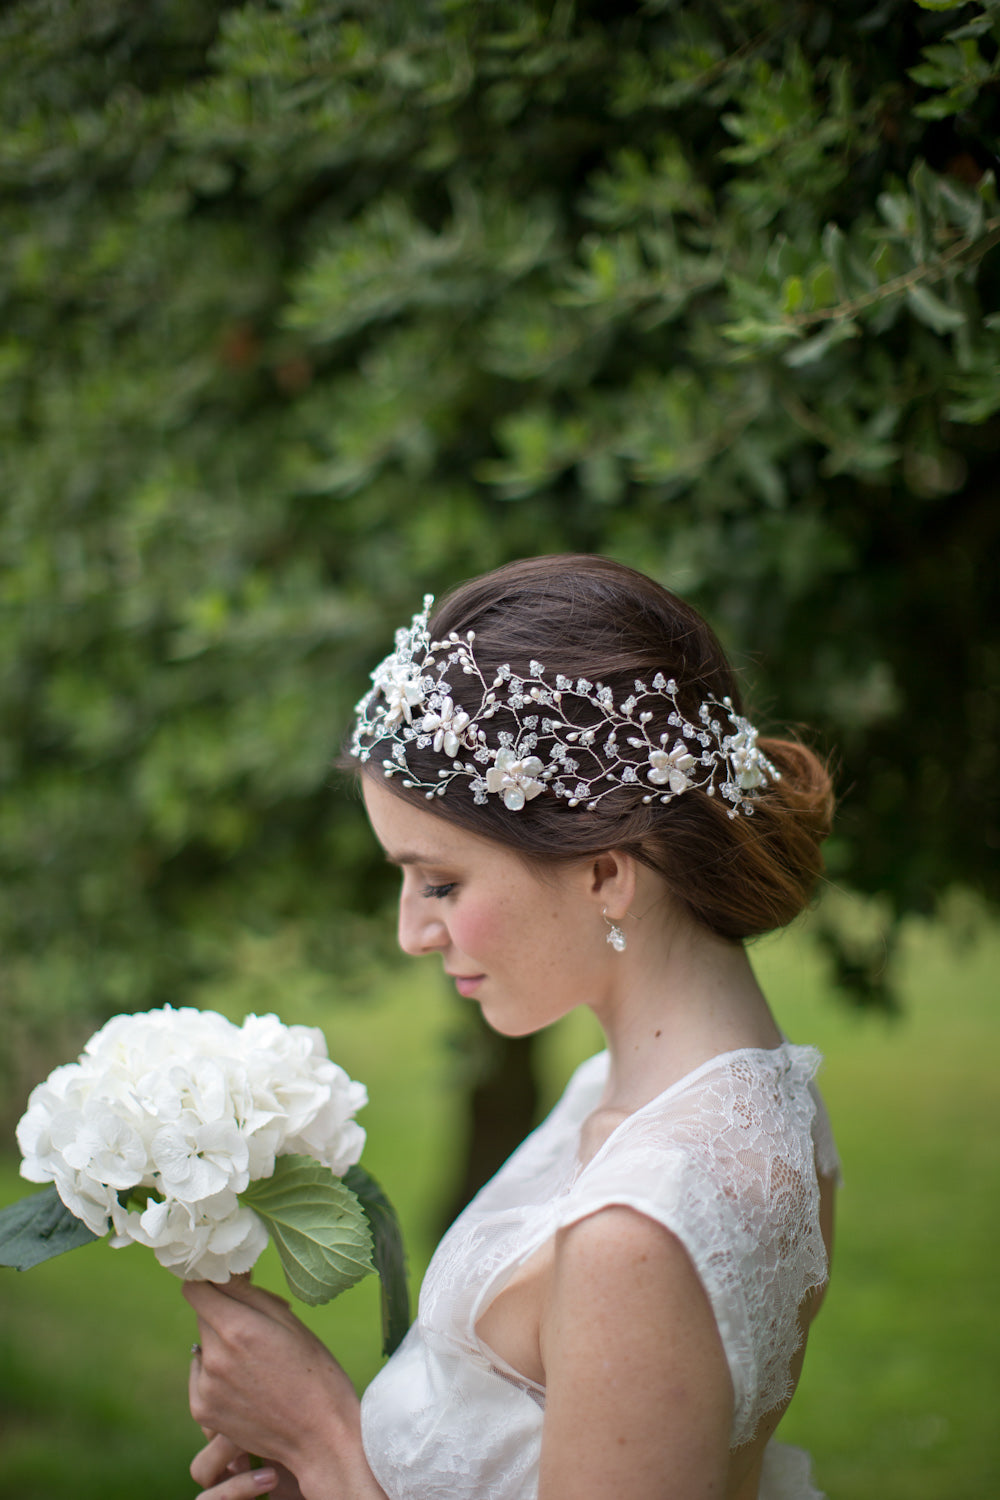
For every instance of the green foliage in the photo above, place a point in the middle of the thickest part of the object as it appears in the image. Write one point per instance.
(388, 1254)
(312, 305)
(320, 1229)
(37, 1228)
(329, 1234)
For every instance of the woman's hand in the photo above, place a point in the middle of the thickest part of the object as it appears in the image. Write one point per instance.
(272, 1388)
(224, 1472)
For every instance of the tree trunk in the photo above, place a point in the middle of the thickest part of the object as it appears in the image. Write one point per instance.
(501, 1110)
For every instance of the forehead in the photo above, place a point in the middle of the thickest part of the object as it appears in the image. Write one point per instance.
(414, 835)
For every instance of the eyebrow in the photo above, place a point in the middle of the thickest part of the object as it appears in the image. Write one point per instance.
(408, 859)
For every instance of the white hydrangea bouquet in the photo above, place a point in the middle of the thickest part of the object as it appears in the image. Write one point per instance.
(180, 1130)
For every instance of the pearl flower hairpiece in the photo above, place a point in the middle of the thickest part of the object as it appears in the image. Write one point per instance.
(419, 700)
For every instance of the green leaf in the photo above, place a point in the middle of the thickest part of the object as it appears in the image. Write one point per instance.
(836, 251)
(964, 205)
(320, 1229)
(389, 1256)
(38, 1227)
(811, 350)
(823, 287)
(930, 309)
(978, 26)
(793, 294)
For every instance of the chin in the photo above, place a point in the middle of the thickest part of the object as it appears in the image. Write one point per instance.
(510, 1029)
(517, 1025)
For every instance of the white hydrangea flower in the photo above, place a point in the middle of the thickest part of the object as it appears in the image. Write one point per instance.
(85, 1197)
(209, 1247)
(179, 1110)
(97, 1141)
(196, 1159)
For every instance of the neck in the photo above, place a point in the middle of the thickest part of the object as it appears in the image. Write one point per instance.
(681, 997)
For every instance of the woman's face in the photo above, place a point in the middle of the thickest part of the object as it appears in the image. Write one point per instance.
(527, 946)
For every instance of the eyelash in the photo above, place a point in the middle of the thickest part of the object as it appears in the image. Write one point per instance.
(438, 892)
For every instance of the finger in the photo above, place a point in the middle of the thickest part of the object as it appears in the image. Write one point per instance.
(219, 1307)
(243, 1486)
(237, 1317)
(245, 1290)
(218, 1318)
(210, 1299)
(194, 1374)
(240, 1288)
(219, 1459)
(199, 1381)
(269, 1304)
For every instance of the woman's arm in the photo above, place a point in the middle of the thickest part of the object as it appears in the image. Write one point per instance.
(273, 1389)
(639, 1400)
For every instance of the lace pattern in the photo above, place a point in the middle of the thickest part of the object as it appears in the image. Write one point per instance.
(726, 1159)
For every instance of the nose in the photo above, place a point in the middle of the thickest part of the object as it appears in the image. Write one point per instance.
(420, 929)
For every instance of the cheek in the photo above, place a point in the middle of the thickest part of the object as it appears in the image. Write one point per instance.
(509, 928)
(477, 927)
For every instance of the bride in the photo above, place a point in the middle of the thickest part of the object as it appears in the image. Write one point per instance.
(557, 761)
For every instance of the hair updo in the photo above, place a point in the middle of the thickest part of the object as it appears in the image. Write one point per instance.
(586, 616)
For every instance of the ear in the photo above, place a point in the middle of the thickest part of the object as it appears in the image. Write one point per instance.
(613, 882)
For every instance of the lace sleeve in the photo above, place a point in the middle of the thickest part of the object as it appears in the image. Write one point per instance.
(728, 1166)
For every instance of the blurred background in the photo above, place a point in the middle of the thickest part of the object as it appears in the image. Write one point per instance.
(311, 307)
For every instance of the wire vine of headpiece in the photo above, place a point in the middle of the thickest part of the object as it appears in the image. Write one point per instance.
(421, 699)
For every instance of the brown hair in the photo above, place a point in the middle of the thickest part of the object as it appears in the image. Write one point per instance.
(584, 615)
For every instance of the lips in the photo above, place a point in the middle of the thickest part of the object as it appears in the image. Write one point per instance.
(467, 984)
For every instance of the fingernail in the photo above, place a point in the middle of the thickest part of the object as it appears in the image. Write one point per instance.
(265, 1479)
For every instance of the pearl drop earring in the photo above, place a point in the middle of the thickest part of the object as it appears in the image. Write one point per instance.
(616, 937)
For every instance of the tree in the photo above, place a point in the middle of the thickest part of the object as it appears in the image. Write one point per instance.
(311, 306)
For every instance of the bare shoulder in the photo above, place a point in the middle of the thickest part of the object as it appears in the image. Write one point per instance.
(612, 1231)
(619, 1268)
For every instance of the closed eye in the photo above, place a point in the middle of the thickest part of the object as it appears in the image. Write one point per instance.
(438, 892)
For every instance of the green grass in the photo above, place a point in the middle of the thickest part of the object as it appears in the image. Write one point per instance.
(899, 1395)
(898, 1399)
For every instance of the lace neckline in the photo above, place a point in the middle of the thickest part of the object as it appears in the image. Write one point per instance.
(598, 1065)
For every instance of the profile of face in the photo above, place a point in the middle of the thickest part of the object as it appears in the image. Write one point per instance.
(527, 943)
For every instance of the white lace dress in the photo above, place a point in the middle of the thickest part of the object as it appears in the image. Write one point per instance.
(727, 1160)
